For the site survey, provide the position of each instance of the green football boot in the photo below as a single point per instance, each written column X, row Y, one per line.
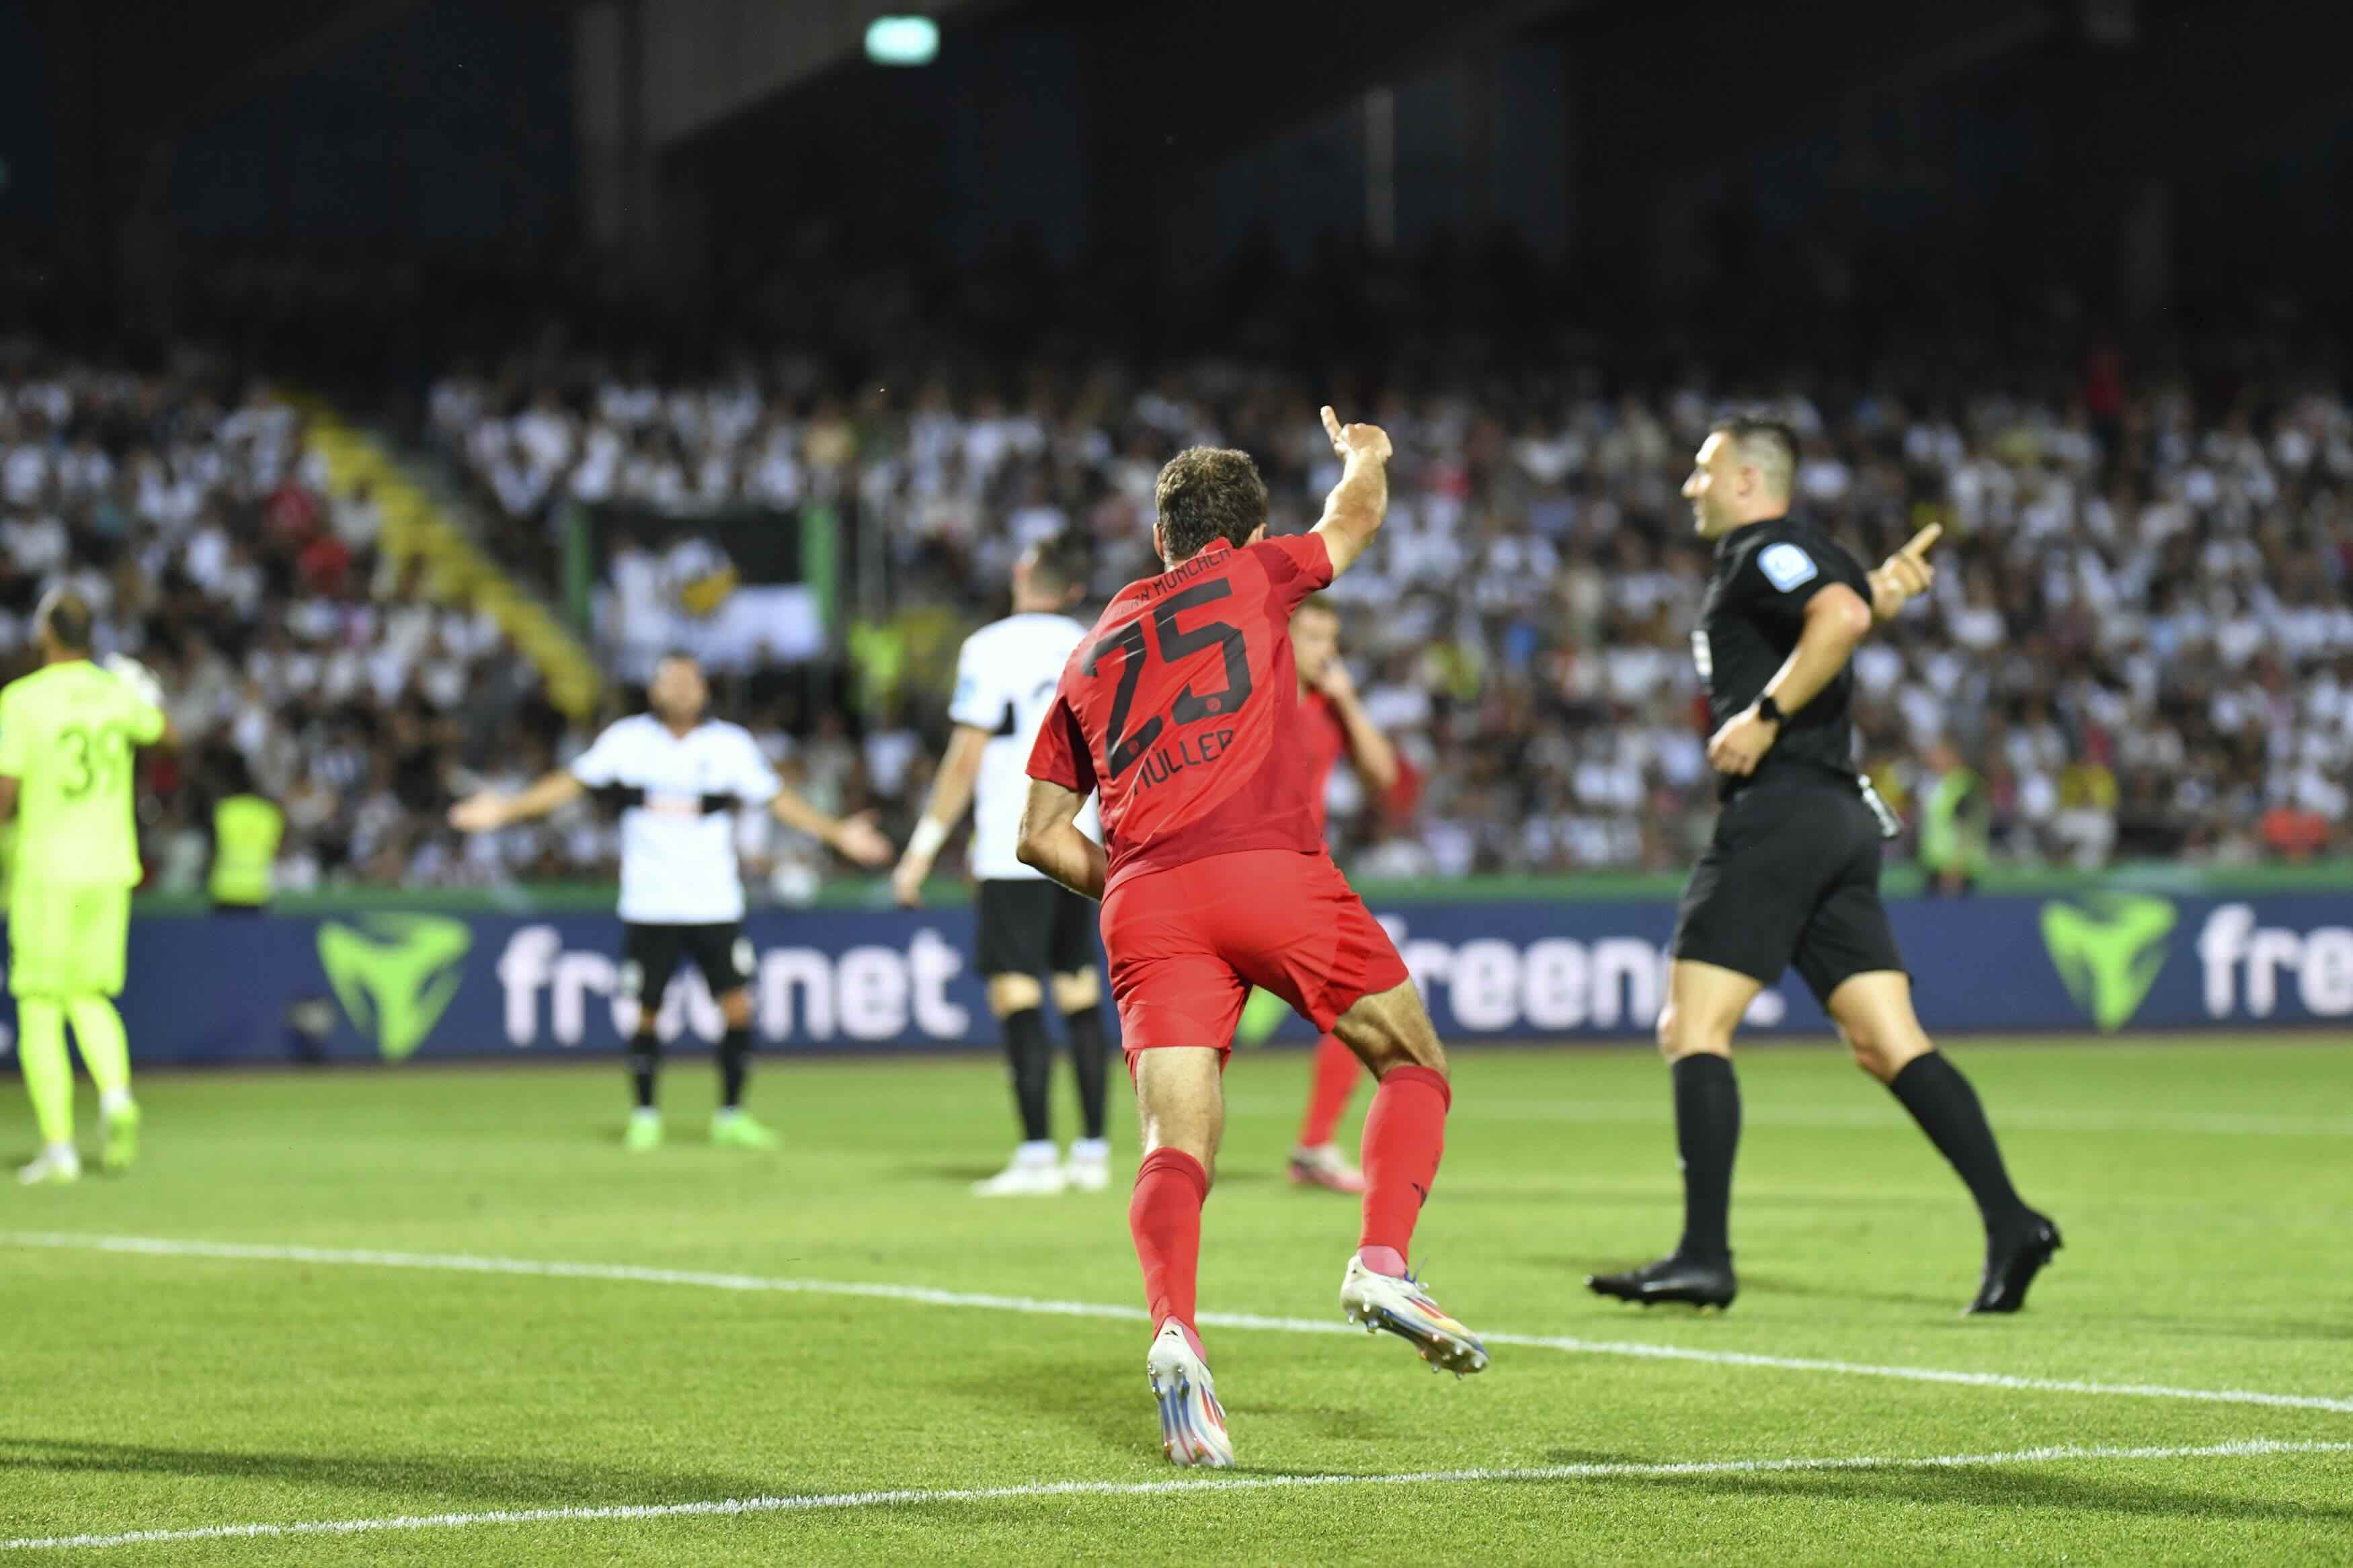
column 735, row 1130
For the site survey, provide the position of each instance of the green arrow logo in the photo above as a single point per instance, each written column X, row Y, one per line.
column 2109, row 951
column 395, row 975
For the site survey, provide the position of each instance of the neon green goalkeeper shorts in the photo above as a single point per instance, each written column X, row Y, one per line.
column 66, row 940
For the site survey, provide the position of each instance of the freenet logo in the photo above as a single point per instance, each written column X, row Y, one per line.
column 2232, row 946
column 2108, row 951
column 867, row 994
column 1609, row 985
column 395, row 975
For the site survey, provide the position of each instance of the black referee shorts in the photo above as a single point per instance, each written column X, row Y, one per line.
column 1032, row 926
column 1792, row 877
column 650, row 955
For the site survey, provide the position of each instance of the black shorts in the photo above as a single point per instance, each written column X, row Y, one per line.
column 1792, row 876
column 1033, row 928
column 650, row 955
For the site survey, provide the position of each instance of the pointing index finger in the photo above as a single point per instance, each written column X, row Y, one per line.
column 1331, row 423
column 1923, row 539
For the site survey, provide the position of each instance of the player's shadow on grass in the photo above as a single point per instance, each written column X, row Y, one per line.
column 1101, row 1403
column 403, row 1478
column 1751, row 1285
column 1774, row 1284
column 1665, row 1202
column 965, row 1174
column 1997, row 1488
column 1098, row 1401
column 2230, row 1328
column 962, row 1175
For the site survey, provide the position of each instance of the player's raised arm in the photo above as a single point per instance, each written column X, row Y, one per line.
column 1376, row 760
column 489, row 811
column 1904, row 575
column 157, row 728
column 1352, row 511
column 950, row 793
column 1051, row 842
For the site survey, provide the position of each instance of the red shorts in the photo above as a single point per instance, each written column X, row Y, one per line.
column 1188, row 944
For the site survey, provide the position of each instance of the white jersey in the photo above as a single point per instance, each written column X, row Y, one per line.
column 679, row 796
column 1006, row 677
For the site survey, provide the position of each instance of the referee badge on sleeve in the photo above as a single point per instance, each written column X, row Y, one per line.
column 1786, row 566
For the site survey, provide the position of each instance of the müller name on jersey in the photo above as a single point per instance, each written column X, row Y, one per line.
column 1189, row 751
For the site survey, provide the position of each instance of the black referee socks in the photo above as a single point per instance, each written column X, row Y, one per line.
column 645, row 1064
column 734, row 1061
column 1089, row 1052
column 1032, row 1056
column 1941, row 1100
column 1708, row 1132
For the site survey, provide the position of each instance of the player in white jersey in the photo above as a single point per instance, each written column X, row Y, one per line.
column 678, row 778
column 1032, row 932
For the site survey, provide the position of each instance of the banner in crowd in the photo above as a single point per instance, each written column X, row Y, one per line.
column 395, row 986
column 737, row 589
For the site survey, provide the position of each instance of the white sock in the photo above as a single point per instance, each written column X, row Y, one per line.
column 113, row 1100
column 1091, row 1149
column 60, row 1152
column 646, row 1114
column 1042, row 1153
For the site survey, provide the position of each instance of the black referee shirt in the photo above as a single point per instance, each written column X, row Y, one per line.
column 1751, row 618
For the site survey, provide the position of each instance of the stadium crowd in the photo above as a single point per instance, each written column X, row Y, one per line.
column 186, row 510
column 2141, row 645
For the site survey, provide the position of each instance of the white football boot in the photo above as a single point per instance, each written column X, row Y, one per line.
column 1397, row 1304
column 58, row 1162
column 1192, row 1422
column 1035, row 1172
column 1088, row 1170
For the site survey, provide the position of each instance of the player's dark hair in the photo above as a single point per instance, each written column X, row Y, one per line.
column 1770, row 444
column 1063, row 563
column 1205, row 494
column 67, row 618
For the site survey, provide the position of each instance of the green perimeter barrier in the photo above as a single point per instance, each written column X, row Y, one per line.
column 1602, row 887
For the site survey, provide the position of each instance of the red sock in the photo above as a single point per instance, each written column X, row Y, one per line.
column 1404, row 1133
column 1334, row 1081
column 1164, row 1218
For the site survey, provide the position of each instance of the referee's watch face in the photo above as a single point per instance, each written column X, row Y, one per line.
column 1717, row 476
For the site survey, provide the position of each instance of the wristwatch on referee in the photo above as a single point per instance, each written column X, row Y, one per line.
column 1768, row 710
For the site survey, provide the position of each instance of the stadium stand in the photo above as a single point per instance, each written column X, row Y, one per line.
column 2141, row 644
column 302, row 640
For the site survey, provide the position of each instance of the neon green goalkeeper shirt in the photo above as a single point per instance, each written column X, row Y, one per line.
column 68, row 731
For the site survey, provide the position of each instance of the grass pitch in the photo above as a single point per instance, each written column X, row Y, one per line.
column 2205, row 1188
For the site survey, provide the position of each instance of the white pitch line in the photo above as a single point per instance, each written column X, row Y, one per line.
column 923, row 1295
column 2255, row 1447
column 1873, row 1118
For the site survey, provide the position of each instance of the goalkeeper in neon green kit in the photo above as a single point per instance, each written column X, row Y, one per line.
column 66, row 735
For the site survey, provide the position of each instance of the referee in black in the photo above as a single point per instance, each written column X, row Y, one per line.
column 1792, row 874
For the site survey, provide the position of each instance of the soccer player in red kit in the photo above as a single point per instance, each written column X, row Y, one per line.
column 1332, row 724
column 1178, row 711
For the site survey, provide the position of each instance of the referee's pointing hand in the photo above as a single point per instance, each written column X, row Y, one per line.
column 1904, row 575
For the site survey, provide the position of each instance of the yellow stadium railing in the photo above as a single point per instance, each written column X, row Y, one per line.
column 416, row 528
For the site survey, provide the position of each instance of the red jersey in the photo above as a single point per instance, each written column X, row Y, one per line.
column 1179, row 711
column 1325, row 740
